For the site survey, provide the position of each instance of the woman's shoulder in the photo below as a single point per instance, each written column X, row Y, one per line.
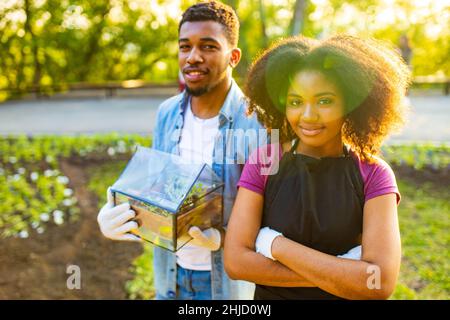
column 266, row 159
column 374, row 165
column 378, row 177
column 262, row 163
column 266, row 154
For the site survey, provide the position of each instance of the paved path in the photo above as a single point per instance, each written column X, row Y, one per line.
column 124, row 115
column 428, row 121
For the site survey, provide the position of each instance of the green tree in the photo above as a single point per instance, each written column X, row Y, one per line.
column 57, row 42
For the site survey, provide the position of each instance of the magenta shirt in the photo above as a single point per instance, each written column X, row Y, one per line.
column 378, row 177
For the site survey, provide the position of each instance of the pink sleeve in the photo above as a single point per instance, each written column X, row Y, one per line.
column 379, row 179
column 261, row 163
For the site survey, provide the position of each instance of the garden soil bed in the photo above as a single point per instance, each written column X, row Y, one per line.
column 35, row 268
column 439, row 179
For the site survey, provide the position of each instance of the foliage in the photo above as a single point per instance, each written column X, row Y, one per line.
column 141, row 287
column 33, row 191
column 419, row 156
column 424, row 216
column 45, row 42
column 56, row 42
column 32, row 195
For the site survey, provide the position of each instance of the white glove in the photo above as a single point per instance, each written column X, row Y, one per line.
column 264, row 241
column 113, row 221
column 266, row 236
column 353, row 254
column 209, row 238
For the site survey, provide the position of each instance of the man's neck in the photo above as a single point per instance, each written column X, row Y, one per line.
column 208, row 105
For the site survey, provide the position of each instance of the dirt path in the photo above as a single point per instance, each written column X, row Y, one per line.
column 35, row 268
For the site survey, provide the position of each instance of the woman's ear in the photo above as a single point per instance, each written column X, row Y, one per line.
column 235, row 57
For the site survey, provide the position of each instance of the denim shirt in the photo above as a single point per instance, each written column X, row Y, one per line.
column 228, row 162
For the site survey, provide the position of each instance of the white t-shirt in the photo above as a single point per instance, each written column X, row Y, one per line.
column 196, row 146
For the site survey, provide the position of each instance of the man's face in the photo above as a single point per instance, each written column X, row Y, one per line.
column 204, row 56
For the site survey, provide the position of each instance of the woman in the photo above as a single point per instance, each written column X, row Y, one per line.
column 334, row 102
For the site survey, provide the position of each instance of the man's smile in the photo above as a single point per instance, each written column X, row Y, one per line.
column 194, row 74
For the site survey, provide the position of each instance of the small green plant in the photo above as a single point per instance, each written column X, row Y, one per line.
column 141, row 287
column 418, row 156
column 424, row 217
column 33, row 191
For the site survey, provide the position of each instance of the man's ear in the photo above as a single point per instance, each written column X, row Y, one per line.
column 235, row 57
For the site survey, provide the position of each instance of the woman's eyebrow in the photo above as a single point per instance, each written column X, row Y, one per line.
column 325, row 94
column 316, row 95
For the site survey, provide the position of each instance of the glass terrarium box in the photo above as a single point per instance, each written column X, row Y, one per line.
column 169, row 196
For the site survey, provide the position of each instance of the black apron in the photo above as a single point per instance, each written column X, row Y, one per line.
column 318, row 203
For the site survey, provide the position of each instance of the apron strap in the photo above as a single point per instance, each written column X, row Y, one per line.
column 345, row 149
column 294, row 145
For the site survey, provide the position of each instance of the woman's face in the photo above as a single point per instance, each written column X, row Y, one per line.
column 315, row 110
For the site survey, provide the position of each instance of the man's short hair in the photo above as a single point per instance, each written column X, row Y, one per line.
column 214, row 11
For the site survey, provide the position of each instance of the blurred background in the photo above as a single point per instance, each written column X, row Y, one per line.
column 80, row 82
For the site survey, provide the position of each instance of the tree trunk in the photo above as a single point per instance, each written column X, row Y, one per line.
column 34, row 45
column 93, row 43
column 262, row 16
column 298, row 20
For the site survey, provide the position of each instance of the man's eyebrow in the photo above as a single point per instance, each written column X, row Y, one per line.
column 205, row 39
column 209, row 39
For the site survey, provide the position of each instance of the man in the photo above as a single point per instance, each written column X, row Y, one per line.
column 198, row 124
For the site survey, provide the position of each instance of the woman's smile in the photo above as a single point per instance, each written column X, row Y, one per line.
column 311, row 130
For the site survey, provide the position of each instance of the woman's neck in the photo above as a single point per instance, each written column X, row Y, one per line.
column 333, row 148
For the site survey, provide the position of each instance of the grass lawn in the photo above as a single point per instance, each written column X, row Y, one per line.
column 424, row 215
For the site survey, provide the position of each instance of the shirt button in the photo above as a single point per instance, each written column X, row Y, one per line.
column 171, row 294
column 172, row 270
